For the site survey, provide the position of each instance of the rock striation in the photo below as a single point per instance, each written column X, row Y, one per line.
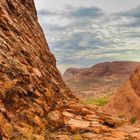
column 35, row 104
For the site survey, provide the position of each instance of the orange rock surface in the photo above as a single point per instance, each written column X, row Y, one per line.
column 34, row 101
column 127, row 100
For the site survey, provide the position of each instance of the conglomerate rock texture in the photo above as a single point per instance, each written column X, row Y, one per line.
column 35, row 104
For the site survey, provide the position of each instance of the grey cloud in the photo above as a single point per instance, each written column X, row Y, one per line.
column 85, row 12
column 73, row 12
column 134, row 24
column 132, row 13
column 135, row 12
column 44, row 12
column 55, row 27
column 91, row 36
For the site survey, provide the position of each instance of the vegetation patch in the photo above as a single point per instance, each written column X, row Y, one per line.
column 95, row 101
column 133, row 120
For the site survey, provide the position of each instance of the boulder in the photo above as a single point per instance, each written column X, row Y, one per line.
column 55, row 119
column 75, row 125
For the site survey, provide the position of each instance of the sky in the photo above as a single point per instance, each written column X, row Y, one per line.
column 81, row 33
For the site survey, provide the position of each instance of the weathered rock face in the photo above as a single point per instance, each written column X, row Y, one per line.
column 135, row 81
column 30, row 84
column 127, row 100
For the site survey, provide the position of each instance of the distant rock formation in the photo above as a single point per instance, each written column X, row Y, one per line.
column 100, row 79
column 127, row 100
column 120, row 68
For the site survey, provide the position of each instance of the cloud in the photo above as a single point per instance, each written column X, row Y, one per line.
column 83, row 36
column 72, row 12
column 85, row 12
column 44, row 12
column 135, row 12
column 133, row 15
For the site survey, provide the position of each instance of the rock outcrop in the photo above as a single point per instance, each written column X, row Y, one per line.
column 127, row 100
column 99, row 80
column 35, row 104
column 119, row 68
column 30, row 84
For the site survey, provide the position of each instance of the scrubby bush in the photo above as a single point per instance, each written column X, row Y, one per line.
column 95, row 101
column 133, row 120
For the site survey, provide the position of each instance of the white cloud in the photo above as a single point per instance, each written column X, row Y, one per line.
column 107, row 5
column 81, row 41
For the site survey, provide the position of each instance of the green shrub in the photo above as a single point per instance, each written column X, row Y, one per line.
column 95, row 101
column 133, row 120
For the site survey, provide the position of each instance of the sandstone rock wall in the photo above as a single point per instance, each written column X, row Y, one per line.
column 127, row 100
column 30, row 84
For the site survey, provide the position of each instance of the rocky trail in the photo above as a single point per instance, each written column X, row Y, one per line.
column 92, row 125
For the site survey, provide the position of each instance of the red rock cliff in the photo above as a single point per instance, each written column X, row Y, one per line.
column 127, row 100
column 30, row 84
